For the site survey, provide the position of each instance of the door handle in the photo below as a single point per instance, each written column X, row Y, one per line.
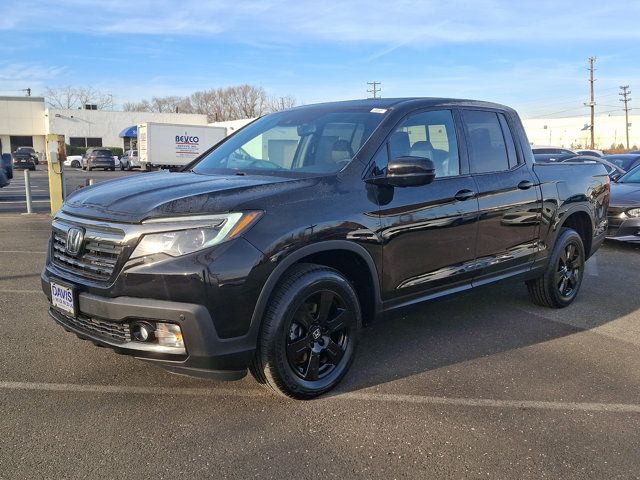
column 525, row 185
column 465, row 194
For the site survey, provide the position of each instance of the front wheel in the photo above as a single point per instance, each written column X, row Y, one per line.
column 559, row 285
column 308, row 336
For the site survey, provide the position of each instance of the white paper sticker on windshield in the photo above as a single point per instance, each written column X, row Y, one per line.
column 378, row 110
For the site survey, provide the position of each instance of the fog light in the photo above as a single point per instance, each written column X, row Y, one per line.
column 169, row 335
column 142, row 332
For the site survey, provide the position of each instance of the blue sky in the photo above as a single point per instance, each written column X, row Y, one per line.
column 530, row 55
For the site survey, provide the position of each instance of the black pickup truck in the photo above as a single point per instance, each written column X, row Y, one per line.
column 273, row 248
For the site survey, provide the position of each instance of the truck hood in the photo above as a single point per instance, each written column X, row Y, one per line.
column 625, row 194
column 163, row 194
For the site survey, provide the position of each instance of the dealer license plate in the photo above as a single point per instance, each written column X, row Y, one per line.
column 63, row 299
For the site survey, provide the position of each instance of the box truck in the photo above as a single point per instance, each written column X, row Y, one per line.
column 167, row 145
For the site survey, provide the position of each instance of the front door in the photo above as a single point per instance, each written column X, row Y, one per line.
column 428, row 232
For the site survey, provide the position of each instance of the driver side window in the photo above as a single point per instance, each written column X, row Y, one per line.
column 430, row 135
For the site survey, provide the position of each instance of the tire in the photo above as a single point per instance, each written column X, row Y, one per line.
column 89, row 168
column 559, row 285
column 75, row 164
column 113, row 169
column 121, row 167
column 308, row 339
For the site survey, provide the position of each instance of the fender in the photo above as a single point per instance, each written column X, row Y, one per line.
column 561, row 217
column 289, row 260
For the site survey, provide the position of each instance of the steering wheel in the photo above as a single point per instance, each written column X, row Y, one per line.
column 264, row 164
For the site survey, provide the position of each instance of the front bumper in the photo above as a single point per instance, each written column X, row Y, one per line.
column 207, row 356
column 626, row 230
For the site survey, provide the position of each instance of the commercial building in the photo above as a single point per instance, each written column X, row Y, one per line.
column 575, row 132
column 24, row 121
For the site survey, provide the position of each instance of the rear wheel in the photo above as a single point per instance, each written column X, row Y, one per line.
column 308, row 336
column 75, row 164
column 559, row 285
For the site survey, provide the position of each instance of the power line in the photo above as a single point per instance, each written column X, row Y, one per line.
column 625, row 99
column 374, row 89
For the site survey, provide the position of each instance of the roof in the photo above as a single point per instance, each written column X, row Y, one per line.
column 407, row 101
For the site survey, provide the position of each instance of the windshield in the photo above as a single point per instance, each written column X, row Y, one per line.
column 305, row 140
column 102, row 153
column 631, row 177
column 623, row 162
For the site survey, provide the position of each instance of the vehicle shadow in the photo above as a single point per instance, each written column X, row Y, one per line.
column 489, row 321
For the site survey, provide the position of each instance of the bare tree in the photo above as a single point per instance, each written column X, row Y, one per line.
column 218, row 104
column 170, row 104
column 77, row 97
column 282, row 103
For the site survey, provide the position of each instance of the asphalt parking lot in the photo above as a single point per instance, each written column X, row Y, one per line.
column 483, row 385
column 12, row 197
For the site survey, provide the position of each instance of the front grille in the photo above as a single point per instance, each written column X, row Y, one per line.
column 97, row 260
column 109, row 331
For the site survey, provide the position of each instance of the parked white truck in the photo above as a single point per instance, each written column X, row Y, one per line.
column 168, row 145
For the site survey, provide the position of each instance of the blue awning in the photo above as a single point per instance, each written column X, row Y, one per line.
column 131, row 132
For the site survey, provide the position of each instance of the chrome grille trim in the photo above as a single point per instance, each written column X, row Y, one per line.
column 100, row 252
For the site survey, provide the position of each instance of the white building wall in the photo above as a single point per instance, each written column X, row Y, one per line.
column 568, row 132
column 23, row 116
column 108, row 125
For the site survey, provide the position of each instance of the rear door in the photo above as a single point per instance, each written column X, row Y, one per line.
column 508, row 197
column 429, row 231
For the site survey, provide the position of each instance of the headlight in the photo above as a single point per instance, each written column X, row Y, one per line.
column 633, row 212
column 189, row 234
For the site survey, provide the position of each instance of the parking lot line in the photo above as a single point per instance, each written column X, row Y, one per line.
column 360, row 396
column 22, row 251
column 4, row 290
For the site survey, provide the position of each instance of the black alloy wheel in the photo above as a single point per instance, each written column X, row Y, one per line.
column 568, row 272
column 559, row 285
column 308, row 335
column 319, row 335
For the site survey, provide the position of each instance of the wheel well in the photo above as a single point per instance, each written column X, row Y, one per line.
column 581, row 223
column 356, row 270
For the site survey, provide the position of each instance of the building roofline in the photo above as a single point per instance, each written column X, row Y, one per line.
column 22, row 99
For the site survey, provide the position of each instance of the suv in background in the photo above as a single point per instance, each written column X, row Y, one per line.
column 129, row 160
column 30, row 151
column 100, row 158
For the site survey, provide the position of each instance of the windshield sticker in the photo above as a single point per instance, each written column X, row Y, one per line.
column 378, row 110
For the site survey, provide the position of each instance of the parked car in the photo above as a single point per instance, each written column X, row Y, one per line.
column 100, row 158
column 23, row 160
column 592, row 153
column 551, row 150
column 553, row 157
column 624, row 208
column 6, row 169
column 73, row 161
column 31, row 151
column 333, row 216
column 129, row 160
column 626, row 161
column 613, row 170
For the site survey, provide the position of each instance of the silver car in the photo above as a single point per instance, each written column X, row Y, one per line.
column 129, row 160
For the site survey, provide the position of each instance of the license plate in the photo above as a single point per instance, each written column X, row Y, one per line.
column 63, row 299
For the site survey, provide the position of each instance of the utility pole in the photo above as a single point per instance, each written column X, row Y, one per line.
column 625, row 99
column 592, row 103
column 375, row 90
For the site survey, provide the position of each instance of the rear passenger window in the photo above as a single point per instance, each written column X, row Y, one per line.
column 508, row 138
column 488, row 151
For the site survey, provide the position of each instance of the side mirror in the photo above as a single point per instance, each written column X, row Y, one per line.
column 407, row 172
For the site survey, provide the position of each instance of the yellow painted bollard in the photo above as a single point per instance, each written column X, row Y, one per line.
column 55, row 152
